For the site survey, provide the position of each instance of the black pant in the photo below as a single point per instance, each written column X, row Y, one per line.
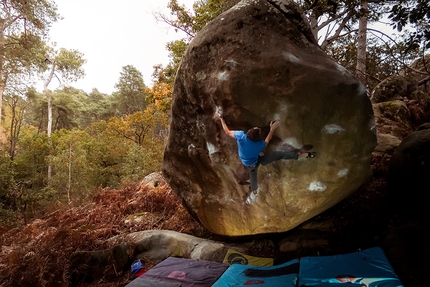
column 265, row 159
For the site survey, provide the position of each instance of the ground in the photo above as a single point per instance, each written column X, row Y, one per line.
column 367, row 218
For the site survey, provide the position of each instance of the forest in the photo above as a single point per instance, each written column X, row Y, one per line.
column 60, row 146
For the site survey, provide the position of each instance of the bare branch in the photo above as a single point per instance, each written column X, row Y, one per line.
column 328, row 21
column 162, row 18
column 339, row 29
column 392, row 55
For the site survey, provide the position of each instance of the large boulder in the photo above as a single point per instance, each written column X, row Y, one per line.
column 392, row 88
column 408, row 171
column 393, row 118
column 258, row 62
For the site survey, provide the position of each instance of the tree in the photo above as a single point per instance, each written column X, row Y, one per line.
column 28, row 18
column 17, row 107
column 97, row 107
column 129, row 96
column 167, row 75
column 75, row 176
column 65, row 66
column 360, row 70
column 412, row 15
column 29, row 188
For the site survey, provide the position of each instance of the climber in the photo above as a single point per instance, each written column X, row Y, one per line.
column 251, row 144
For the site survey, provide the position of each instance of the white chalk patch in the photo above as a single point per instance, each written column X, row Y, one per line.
column 223, row 76
column 211, row 148
column 218, row 110
column 276, row 117
column 231, row 63
column 191, row 147
column 333, row 128
column 372, row 125
column 200, row 76
column 317, row 186
column 290, row 57
column 342, row 172
column 251, row 198
column 292, row 142
column 283, row 108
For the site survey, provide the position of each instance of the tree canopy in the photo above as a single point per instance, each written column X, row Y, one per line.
column 22, row 25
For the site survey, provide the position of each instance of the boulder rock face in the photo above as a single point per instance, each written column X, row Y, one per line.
column 258, row 62
column 409, row 170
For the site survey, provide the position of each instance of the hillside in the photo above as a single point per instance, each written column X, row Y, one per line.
column 37, row 254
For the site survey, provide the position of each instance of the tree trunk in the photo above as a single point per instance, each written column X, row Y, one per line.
column 69, row 183
column 49, row 96
column 362, row 44
column 2, row 86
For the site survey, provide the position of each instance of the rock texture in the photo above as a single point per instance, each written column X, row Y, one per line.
column 258, row 62
column 400, row 106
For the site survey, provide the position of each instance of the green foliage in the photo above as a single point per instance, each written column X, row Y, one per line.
column 6, row 176
column 105, row 154
column 416, row 15
column 74, row 175
column 23, row 24
column 97, row 107
column 16, row 106
column 28, row 191
column 129, row 96
column 190, row 22
column 32, row 15
column 127, row 147
column 69, row 64
column 206, row 11
column 167, row 75
column 24, row 57
column 141, row 161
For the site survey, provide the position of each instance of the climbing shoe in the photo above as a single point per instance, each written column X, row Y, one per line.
column 312, row 154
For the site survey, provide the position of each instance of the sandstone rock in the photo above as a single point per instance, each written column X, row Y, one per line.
column 393, row 118
column 258, row 62
column 160, row 244
column 387, row 143
column 150, row 181
column 425, row 126
column 395, row 87
column 152, row 245
column 409, row 170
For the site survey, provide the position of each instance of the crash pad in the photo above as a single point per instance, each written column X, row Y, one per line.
column 182, row 271
column 140, row 282
column 284, row 275
column 233, row 257
column 369, row 267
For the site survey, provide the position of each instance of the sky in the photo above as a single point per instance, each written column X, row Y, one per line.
column 112, row 34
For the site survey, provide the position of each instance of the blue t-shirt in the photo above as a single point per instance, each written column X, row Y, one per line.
column 248, row 149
